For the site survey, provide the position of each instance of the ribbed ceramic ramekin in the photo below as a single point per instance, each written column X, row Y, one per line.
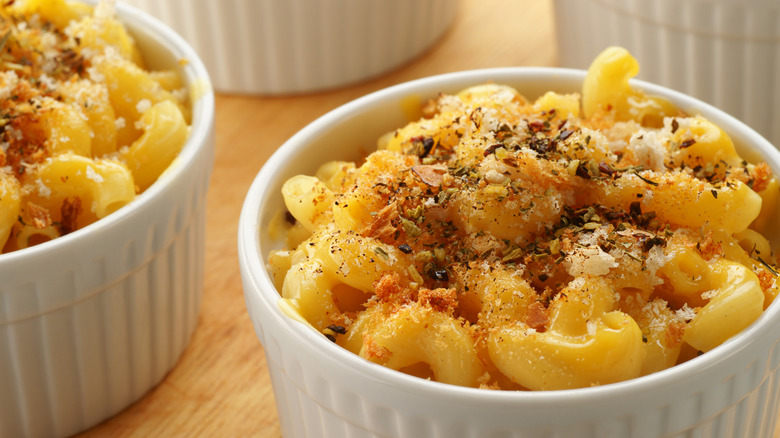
column 295, row 46
column 91, row 321
column 725, row 52
column 323, row 390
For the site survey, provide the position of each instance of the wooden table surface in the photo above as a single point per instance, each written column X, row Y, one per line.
column 220, row 386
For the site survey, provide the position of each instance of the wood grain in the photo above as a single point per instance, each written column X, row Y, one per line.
column 220, row 386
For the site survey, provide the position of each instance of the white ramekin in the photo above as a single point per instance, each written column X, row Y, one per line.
column 725, row 52
column 323, row 390
column 295, row 46
column 91, row 321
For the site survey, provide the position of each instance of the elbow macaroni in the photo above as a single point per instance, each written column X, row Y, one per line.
column 550, row 244
column 85, row 127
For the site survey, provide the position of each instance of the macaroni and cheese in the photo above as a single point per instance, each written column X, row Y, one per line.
column 507, row 243
column 84, row 126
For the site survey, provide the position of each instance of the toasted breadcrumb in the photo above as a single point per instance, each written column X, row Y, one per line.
column 374, row 351
column 38, row 215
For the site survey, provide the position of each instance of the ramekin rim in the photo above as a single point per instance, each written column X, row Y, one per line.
column 258, row 282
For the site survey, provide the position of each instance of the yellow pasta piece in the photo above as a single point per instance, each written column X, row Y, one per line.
column 683, row 200
column 560, row 106
column 102, row 31
column 495, row 295
column 736, row 303
column 754, row 244
column 354, row 210
column 701, row 143
column 360, row 261
column 279, row 263
column 132, row 93
column 170, row 80
column 752, row 251
column 506, row 214
column 58, row 12
column 770, row 200
column 509, row 206
column 606, row 88
column 28, row 235
column 66, row 129
column 164, row 134
column 10, row 205
column 357, row 209
column 588, row 343
column 419, row 334
column 309, row 291
column 103, row 186
column 662, row 332
column 336, row 175
column 687, row 274
column 497, row 96
column 427, row 135
column 309, row 200
column 93, row 100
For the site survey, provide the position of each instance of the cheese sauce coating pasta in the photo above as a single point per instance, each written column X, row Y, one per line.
column 564, row 242
column 84, row 127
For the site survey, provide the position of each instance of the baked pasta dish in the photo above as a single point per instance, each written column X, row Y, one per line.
column 84, row 126
column 506, row 243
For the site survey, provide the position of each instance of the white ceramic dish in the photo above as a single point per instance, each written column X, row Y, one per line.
column 725, row 52
column 91, row 321
column 296, row 46
column 323, row 390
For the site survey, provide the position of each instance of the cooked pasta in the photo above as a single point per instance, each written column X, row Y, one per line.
column 507, row 243
column 84, row 127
